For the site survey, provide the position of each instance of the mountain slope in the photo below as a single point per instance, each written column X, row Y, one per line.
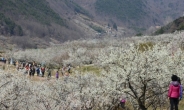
column 9, row 27
column 124, row 10
column 139, row 15
column 36, row 10
column 36, row 22
column 176, row 25
column 44, row 22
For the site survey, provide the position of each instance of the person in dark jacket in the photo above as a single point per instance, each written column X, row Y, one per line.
column 49, row 73
column 30, row 71
column 33, row 71
column 38, row 70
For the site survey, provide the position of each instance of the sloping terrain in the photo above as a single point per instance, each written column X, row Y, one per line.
column 176, row 25
column 46, row 22
column 139, row 15
column 36, row 22
column 29, row 10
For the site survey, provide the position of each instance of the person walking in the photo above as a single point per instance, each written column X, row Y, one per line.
column 43, row 71
column 174, row 93
column 181, row 89
column 57, row 75
column 27, row 69
column 122, row 102
column 17, row 65
column 33, row 70
column 69, row 68
column 49, row 73
column 30, row 71
column 38, row 70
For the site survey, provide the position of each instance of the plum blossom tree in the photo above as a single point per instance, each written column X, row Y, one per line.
column 146, row 75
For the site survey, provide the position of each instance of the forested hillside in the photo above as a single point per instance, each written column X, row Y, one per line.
column 138, row 15
column 36, row 22
column 76, row 8
column 45, row 22
column 9, row 27
column 42, row 22
column 124, row 10
column 30, row 9
column 176, row 25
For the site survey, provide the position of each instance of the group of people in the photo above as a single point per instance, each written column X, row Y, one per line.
column 2, row 59
column 32, row 68
column 175, row 92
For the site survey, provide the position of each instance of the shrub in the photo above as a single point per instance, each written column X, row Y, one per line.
column 139, row 34
column 97, row 28
column 145, row 46
column 181, row 27
column 160, row 31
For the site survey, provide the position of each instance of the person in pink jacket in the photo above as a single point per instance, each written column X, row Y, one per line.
column 122, row 102
column 174, row 93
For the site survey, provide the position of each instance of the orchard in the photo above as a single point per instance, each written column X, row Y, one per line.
column 137, row 68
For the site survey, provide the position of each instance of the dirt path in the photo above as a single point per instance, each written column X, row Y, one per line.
column 21, row 72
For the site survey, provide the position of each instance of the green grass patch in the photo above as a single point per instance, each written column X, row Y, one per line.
column 93, row 69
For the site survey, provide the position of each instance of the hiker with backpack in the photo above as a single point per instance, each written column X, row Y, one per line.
column 174, row 93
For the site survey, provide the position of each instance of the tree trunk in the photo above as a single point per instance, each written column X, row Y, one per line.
column 142, row 107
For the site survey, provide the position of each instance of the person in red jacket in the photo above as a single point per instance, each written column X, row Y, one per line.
column 43, row 71
column 174, row 93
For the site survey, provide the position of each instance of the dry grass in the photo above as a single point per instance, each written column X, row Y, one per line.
column 181, row 104
column 90, row 68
